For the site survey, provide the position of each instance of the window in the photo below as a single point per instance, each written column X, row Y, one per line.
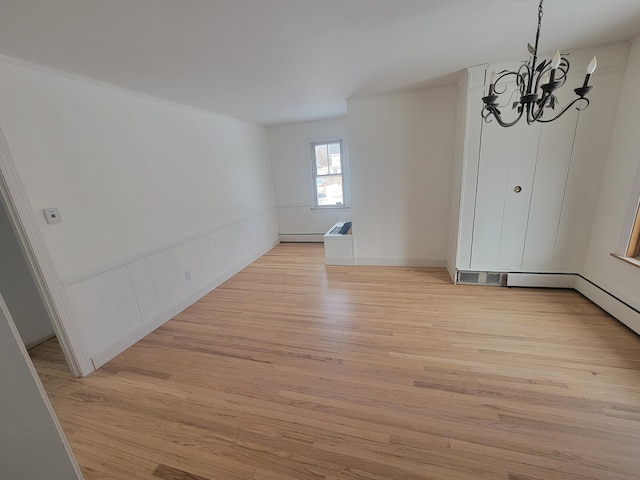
column 629, row 247
column 633, row 249
column 328, row 173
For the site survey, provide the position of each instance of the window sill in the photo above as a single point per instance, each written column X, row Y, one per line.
column 630, row 260
column 331, row 207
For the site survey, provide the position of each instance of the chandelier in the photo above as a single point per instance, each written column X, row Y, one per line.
column 536, row 81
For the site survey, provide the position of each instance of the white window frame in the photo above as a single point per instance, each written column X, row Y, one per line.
column 633, row 249
column 343, row 174
column 629, row 247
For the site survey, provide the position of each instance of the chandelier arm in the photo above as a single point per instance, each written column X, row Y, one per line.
column 565, row 109
column 532, row 115
column 493, row 111
column 519, row 78
column 524, row 73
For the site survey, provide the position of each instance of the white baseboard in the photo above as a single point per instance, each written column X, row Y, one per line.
column 339, row 261
column 138, row 334
column 612, row 305
column 301, row 237
column 401, row 262
column 34, row 344
column 545, row 280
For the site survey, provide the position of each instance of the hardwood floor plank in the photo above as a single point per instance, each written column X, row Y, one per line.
column 296, row 370
column 169, row 473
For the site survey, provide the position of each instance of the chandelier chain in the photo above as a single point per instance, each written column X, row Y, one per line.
column 540, row 13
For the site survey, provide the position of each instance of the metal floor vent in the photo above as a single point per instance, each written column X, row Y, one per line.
column 495, row 279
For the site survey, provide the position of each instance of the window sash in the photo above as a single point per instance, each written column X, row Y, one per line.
column 329, row 173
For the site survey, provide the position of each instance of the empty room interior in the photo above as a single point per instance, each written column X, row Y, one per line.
column 320, row 239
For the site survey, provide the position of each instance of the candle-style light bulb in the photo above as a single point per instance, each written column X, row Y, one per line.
column 545, row 79
column 492, row 81
column 590, row 69
column 555, row 62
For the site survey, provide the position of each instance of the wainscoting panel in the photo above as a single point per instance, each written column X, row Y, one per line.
column 143, row 289
column 98, row 321
column 221, row 246
column 123, row 297
column 200, row 262
column 167, row 270
column 118, row 304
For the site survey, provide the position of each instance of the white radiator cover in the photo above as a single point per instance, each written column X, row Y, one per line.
column 545, row 280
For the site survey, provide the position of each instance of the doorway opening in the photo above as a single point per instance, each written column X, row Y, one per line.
column 19, row 288
column 46, row 292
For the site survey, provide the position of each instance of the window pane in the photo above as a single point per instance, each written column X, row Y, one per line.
column 335, row 164
column 329, row 190
column 322, row 159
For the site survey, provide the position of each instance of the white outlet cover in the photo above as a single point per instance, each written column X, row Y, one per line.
column 52, row 215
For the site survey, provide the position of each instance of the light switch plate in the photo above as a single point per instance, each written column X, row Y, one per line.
column 52, row 215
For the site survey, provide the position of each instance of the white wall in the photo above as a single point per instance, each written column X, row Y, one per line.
column 290, row 150
column 147, row 190
column 19, row 288
column 623, row 161
column 401, row 171
column 32, row 444
column 127, row 172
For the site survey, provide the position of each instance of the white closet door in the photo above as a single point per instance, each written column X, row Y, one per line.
column 507, row 161
column 552, row 169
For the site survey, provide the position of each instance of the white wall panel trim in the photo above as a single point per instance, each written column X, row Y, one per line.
column 140, row 332
column 92, row 272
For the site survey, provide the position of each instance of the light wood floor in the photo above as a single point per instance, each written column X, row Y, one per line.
column 294, row 370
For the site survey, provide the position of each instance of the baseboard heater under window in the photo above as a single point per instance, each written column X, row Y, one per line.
column 301, row 237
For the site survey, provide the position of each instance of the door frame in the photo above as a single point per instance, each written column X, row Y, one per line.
column 48, row 283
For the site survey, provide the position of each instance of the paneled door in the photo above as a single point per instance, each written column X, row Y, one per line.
column 521, row 187
column 505, row 182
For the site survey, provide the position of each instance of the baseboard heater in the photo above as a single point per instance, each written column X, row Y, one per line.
column 496, row 279
column 619, row 309
column 544, row 280
column 301, row 237
column 506, row 279
column 623, row 311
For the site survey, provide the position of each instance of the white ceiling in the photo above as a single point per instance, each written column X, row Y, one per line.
column 282, row 61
